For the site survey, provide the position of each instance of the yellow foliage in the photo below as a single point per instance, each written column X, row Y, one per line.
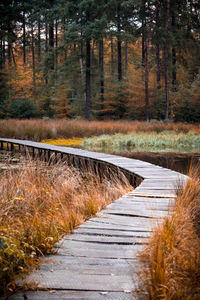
column 64, row 142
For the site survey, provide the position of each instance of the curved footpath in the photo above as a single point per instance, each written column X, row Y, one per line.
column 99, row 260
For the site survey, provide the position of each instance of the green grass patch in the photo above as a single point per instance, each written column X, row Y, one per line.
column 166, row 141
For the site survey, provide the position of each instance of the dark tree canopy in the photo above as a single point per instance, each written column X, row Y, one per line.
column 100, row 59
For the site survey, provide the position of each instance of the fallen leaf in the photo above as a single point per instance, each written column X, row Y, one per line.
column 127, row 291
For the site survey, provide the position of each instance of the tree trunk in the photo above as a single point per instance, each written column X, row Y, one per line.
column 51, row 38
column 33, row 64
column 39, row 40
column 143, row 32
column 119, row 56
column 1, row 53
column 174, row 69
column 56, row 51
column 119, row 43
column 147, row 81
column 158, row 65
column 51, row 45
column 24, row 39
column 112, row 56
column 147, row 62
column 46, row 53
column 87, row 81
column 81, row 62
column 143, row 44
column 13, row 57
column 126, row 57
column 9, row 47
column 4, row 52
column 166, row 56
column 101, row 68
column 2, row 59
column 174, row 82
column 158, row 53
column 46, row 37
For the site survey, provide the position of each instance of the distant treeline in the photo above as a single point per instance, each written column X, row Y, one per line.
column 105, row 59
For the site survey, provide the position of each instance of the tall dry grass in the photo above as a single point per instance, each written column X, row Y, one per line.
column 171, row 262
column 38, row 130
column 38, row 204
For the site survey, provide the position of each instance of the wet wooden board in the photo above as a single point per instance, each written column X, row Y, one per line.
column 100, row 260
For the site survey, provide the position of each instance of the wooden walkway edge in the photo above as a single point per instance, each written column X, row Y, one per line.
column 99, row 260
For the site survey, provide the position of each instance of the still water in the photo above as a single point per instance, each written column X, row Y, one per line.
column 175, row 161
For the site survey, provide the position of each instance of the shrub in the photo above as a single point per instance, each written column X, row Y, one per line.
column 187, row 112
column 23, row 108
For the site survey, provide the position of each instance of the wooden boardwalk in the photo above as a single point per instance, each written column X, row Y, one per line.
column 99, row 260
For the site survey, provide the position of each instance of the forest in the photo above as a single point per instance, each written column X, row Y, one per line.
column 100, row 60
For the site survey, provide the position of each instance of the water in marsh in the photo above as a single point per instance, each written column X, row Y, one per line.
column 180, row 162
column 174, row 161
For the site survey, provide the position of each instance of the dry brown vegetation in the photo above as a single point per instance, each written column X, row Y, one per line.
column 171, row 262
column 38, row 130
column 38, row 204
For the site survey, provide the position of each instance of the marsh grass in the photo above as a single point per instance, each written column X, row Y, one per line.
column 164, row 141
column 171, row 262
column 40, row 203
column 38, row 130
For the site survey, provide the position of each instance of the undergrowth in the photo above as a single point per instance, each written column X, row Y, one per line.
column 38, row 130
column 39, row 204
column 171, row 262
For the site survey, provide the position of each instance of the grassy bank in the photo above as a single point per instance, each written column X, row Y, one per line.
column 171, row 262
column 38, row 204
column 167, row 141
column 38, row 130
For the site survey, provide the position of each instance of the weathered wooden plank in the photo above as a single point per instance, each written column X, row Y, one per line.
column 70, row 245
column 96, row 268
column 84, row 282
column 140, row 199
column 104, row 230
column 112, row 253
column 109, row 239
column 141, row 205
column 72, row 261
column 72, row 295
column 148, row 213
